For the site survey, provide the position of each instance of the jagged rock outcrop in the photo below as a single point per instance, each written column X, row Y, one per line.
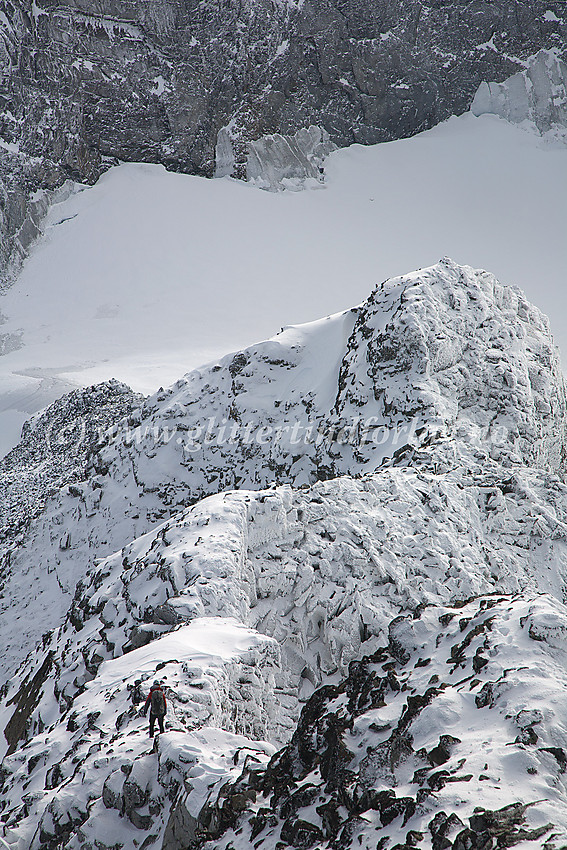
column 537, row 95
column 85, row 84
column 21, row 214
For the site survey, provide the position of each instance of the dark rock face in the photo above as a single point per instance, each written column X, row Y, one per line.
column 83, row 84
column 26, row 700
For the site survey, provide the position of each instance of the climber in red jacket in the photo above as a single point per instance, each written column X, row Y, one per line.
column 157, row 705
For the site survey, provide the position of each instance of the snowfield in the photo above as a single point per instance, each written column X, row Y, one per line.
column 149, row 274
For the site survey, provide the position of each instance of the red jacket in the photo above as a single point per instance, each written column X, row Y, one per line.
column 149, row 698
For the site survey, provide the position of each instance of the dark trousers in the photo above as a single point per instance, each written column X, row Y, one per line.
column 153, row 718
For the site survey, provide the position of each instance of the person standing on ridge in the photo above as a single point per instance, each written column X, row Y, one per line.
column 157, row 705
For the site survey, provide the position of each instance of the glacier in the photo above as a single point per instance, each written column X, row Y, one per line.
column 535, row 96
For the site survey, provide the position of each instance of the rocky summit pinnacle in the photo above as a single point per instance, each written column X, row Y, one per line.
column 83, row 85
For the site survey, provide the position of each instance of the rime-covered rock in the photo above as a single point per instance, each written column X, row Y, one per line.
column 382, row 598
column 54, row 450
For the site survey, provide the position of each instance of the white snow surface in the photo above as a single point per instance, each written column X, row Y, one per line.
column 148, row 274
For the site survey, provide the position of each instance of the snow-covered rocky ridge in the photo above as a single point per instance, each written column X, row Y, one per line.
column 54, row 448
column 444, row 351
column 441, row 739
column 436, row 414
